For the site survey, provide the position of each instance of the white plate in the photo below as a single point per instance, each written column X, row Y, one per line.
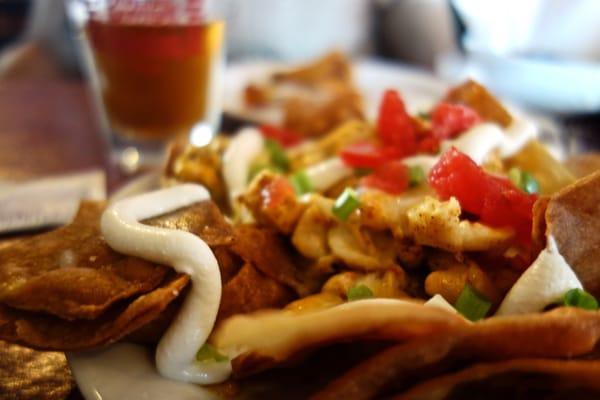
column 418, row 89
column 126, row 371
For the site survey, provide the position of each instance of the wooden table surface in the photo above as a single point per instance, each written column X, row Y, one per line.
column 46, row 127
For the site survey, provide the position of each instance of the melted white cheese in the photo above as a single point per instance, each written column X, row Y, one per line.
column 327, row 173
column 544, row 283
column 186, row 253
column 243, row 148
column 440, row 302
column 480, row 140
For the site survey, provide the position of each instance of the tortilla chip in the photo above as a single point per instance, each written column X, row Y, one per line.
column 551, row 174
column 481, row 100
column 564, row 332
column 72, row 273
column 67, row 289
column 51, row 333
column 373, row 319
column 249, row 291
column 573, row 218
column 540, row 376
column 267, row 251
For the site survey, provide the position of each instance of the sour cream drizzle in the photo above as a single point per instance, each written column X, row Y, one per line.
column 545, row 282
column 482, row 139
column 186, row 253
column 243, row 148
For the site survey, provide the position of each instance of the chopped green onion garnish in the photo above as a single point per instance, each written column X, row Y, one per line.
column 416, row 175
column 471, row 304
column 278, row 155
column 523, row 180
column 345, row 204
column 580, row 298
column 360, row 172
column 424, row 115
column 208, row 353
column 301, row 182
column 359, row 292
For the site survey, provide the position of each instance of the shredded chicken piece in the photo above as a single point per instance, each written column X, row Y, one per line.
column 389, row 283
column 450, row 280
column 281, row 216
column 310, row 235
column 437, row 224
column 330, row 144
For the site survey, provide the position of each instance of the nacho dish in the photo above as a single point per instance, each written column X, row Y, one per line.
column 440, row 255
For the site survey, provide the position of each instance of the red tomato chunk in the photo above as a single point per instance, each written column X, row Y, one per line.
column 284, row 137
column 449, row 120
column 391, row 177
column 496, row 201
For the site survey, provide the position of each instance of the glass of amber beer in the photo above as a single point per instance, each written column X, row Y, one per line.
column 155, row 66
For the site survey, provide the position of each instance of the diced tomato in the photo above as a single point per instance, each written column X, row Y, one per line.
column 283, row 136
column 428, row 144
column 455, row 174
column 367, row 155
column 496, row 201
column 277, row 192
column 394, row 126
column 391, row 177
column 449, row 120
column 507, row 206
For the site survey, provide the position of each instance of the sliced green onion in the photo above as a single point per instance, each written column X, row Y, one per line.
column 530, row 184
column 580, row 298
column 301, row 182
column 523, row 180
column 424, row 115
column 471, row 304
column 360, row 172
column 278, row 155
column 208, row 353
column 345, row 204
column 359, row 292
column 416, row 175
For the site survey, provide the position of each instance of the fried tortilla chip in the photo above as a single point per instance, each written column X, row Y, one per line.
column 67, row 289
column 542, row 377
column 564, row 332
column 47, row 332
column 573, row 218
column 250, row 290
column 298, row 332
column 267, row 251
column 481, row 100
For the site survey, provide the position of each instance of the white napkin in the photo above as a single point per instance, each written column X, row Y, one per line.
column 47, row 202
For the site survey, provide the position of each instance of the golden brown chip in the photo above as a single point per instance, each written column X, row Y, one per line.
column 332, row 66
column 550, row 376
column 250, row 290
column 564, row 332
column 51, row 333
column 481, row 100
column 267, row 251
column 68, row 289
column 573, row 218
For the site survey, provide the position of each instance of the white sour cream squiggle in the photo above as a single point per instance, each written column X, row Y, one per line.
column 545, row 282
column 186, row 253
column 243, row 148
column 480, row 140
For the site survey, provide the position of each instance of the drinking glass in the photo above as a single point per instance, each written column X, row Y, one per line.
column 155, row 68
